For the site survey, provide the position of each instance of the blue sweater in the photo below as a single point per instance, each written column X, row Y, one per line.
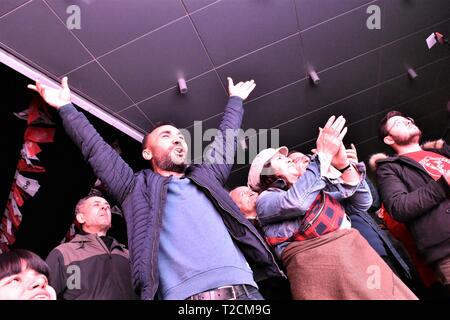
column 196, row 252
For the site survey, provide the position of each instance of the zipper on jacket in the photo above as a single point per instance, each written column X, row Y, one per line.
column 257, row 235
column 159, row 224
column 103, row 245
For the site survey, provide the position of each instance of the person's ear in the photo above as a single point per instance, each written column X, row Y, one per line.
column 388, row 140
column 147, row 154
column 80, row 218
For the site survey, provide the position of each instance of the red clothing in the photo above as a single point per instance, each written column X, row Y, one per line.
column 401, row 233
column 433, row 163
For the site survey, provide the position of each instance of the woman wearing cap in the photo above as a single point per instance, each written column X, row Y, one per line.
column 303, row 215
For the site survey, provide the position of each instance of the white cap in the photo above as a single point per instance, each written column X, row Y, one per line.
column 258, row 163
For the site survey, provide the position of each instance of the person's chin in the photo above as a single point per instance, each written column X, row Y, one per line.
column 42, row 296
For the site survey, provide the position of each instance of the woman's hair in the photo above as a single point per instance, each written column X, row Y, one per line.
column 271, row 180
column 11, row 263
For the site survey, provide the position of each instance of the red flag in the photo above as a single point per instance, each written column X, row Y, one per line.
column 23, row 166
column 32, row 148
column 42, row 135
column 9, row 236
column 33, row 110
column 17, row 194
column 14, row 219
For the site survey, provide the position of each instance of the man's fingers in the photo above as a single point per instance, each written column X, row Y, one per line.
column 32, row 87
column 252, row 87
column 353, row 147
column 239, row 84
column 314, row 151
column 64, row 83
column 230, row 82
column 248, row 84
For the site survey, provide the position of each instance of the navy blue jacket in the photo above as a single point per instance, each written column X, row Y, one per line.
column 142, row 196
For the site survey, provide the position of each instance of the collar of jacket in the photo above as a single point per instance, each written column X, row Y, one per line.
column 81, row 239
column 379, row 158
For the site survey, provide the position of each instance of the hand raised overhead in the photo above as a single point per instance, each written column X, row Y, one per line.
column 241, row 89
column 54, row 97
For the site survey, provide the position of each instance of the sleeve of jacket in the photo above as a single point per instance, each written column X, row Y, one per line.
column 219, row 155
column 403, row 205
column 58, row 279
column 361, row 198
column 107, row 164
column 280, row 205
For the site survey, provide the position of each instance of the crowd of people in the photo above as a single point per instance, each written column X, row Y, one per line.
column 302, row 226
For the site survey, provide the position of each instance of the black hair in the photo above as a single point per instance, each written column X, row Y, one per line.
column 382, row 130
column 11, row 263
column 267, row 181
column 156, row 126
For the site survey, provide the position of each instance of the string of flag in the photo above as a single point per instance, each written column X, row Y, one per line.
column 40, row 129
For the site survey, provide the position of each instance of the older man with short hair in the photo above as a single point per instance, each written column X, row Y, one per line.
column 92, row 266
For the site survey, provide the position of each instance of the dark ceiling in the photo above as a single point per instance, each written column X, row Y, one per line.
column 128, row 55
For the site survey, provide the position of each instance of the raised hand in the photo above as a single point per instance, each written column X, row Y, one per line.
column 241, row 89
column 54, row 97
column 352, row 154
column 330, row 137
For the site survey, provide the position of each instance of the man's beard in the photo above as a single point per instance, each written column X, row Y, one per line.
column 411, row 139
column 165, row 163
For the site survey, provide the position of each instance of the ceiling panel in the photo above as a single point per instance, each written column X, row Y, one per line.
column 193, row 5
column 443, row 77
column 306, row 127
column 339, row 39
column 115, row 26
column 401, row 17
column 278, row 107
column 283, row 64
column 333, row 86
column 36, row 33
column 93, row 82
column 156, row 61
column 425, row 104
column 272, row 41
column 434, row 125
column 136, row 118
column 311, row 12
column 205, row 98
column 403, row 88
column 429, row 102
column 8, row 5
column 412, row 51
column 231, row 28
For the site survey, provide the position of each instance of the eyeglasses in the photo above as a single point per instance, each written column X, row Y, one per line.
column 397, row 122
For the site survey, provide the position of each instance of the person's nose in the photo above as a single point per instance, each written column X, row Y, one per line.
column 39, row 282
column 176, row 141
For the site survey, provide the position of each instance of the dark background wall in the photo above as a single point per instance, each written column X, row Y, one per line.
column 48, row 215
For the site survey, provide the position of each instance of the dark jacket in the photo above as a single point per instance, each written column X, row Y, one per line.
column 85, row 269
column 142, row 196
column 379, row 241
column 413, row 197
